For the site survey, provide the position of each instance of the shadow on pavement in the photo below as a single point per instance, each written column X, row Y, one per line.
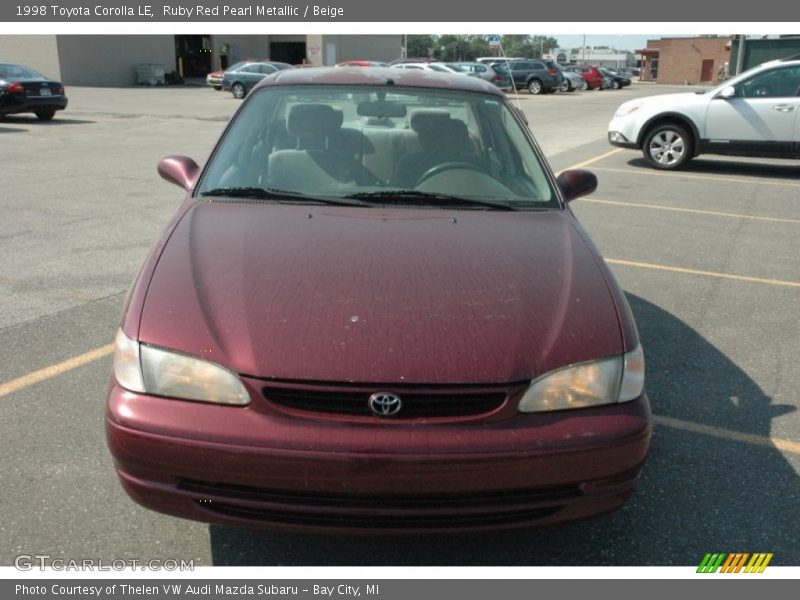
column 30, row 120
column 698, row 493
column 706, row 166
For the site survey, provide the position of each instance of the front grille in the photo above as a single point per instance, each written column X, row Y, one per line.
column 380, row 511
column 417, row 402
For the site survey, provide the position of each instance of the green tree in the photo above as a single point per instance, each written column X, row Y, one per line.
column 420, row 46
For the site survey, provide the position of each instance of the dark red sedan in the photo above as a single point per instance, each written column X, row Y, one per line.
column 375, row 311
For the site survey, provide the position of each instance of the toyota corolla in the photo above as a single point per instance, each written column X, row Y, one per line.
column 374, row 310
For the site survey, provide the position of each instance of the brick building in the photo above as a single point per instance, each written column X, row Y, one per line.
column 704, row 59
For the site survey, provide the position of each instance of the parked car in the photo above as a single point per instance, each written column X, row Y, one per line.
column 411, row 59
column 214, row 79
column 500, row 78
column 617, row 79
column 438, row 67
column 535, row 76
column 593, row 77
column 344, row 328
column 362, row 63
column 572, row 81
column 241, row 80
column 23, row 90
column 752, row 114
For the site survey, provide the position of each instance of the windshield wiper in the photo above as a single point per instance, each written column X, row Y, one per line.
column 257, row 193
column 428, row 199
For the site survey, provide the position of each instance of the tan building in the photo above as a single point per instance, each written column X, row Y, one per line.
column 111, row 60
column 691, row 61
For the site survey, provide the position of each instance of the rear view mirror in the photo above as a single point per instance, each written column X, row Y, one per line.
column 382, row 109
column 576, row 183
column 180, row 170
column 727, row 92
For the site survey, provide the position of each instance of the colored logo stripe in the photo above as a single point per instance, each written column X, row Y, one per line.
column 733, row 562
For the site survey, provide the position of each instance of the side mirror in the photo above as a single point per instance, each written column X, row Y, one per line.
column 727, row 92
column 180, row 170
column 576, row 183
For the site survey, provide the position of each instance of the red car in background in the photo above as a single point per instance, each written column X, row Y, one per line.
column 593, row 77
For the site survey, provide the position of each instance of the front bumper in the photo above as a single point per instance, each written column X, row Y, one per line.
column 247, row 467
column 615, row 138
column 624, row 131
column 20, row 103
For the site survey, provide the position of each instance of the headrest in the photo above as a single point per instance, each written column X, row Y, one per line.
column 313, row 120
column 445, row 135
column 425, row 119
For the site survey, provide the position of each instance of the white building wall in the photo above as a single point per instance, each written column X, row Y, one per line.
column 110, row 60
column 39, row 52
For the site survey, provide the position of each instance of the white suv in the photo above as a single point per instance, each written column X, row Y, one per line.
column 752, row 114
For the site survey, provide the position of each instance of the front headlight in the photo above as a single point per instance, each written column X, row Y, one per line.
column 626, row 109
column 606, row 381
column 152, row 370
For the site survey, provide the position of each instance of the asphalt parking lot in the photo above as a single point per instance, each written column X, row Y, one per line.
column 708, row 258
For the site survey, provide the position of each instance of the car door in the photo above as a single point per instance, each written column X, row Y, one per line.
column 519, row 71
column 761, row 116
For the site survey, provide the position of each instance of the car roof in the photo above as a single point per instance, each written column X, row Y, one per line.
column 380, row 75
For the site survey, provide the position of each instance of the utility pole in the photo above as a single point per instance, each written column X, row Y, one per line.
column 583, row 52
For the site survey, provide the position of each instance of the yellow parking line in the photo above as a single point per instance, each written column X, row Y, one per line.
column 728, row 434
column 656, row 267
column 696, row 211
column 684, row 175
column 586, row 163
column 53, row 370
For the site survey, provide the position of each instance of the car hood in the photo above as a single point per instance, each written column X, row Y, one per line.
column 376, row 295
column 671, row 101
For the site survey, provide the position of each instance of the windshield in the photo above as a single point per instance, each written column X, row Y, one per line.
column 409, row 145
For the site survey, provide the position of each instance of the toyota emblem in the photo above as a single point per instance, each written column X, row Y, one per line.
column 384, row 404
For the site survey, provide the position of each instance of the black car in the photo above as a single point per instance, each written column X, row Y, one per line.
column 24, row 90
column 240, row 81
column 534, row 75
column 618, row 80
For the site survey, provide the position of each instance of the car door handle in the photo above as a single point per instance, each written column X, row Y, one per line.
column 783, row 107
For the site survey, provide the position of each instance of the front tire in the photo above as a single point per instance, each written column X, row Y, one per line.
column 45, row 114
column 238, row 91
column 535, row 87
column 668, row 147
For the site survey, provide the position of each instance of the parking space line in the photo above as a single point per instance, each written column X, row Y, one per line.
column 696, row 211
column 728, row 434
column 657, row 267
column 591, row 161
column 684, row 175
column 54, row 370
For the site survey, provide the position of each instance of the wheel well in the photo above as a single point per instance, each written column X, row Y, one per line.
column 675, row 120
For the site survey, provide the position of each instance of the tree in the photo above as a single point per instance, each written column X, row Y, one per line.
column 420, row 46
